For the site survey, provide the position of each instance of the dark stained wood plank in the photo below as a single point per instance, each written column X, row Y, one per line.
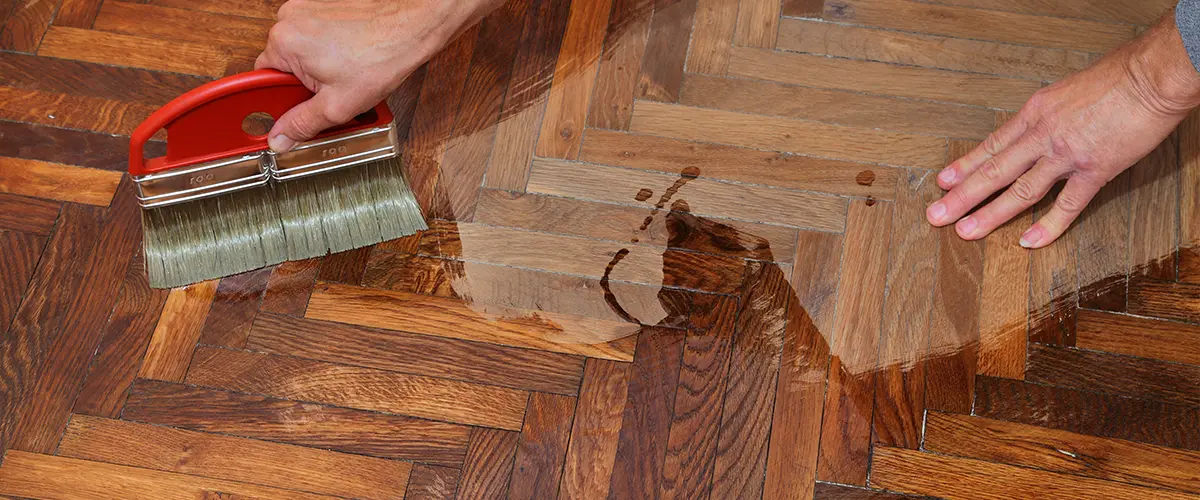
column 489, row 462
column 525, row 102
column 645, row 426
column 1060, row 451
column 846, row 423
column 65, row 76
column 594, row 433
column 914, row 264
column 431, row 482
column 77, row 13
column 289, row 287
column 696, row 417
column 178, row 330
column 828, row 491
column 1154, row 226
column 375, row 390
column 345, row 267
column 412, row 273
column 803, row 8
column 259, row 417
column 741, row 460
column 1143, row 337
column 403, row 103
column 1102, row 239
column 953, row 351
column 440, row 357
column 666, row 50
column 909, row 471
column 49, row 398
column 27, row 215
column 126, row 337
column 233, row 309
column 21, row 254
column 39, row 318
column 71, row 147
column 1114, row 374
column 1177, row 301
column 800, row 394
column 617, row 76
column 101, row 47
column 234, row 459
column 542, row 449
column 1089, row 413
column 466, row 157
column 574, row 79
column 27, row 25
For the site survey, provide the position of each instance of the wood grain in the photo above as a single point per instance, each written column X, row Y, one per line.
column 262, row 9
column 177, row 332
column 954, row 325
column 289, row 287
column 27, row 24
column 234, row 306
column 1102, row 238
column 454, row 319
column 259, row 417
column 77, row 13
column 1122, row 11
column 1089, row 413
column 489, row 462
column 982, row 24
column 55, row 181
column 574, row 79
column 1113, row 374
column 123, row 346
column 71, row 147
column 70, row 111
column 1053, row 287
column 27, row 215
column 645, row 425
column 192, row 26
column 1035, row 63
column 133, row 51
column 757, row 24
column 794, row 136
column 85, row 79
column 45, row 476
column 909, row 471
column 800, row 393
column 625, row 42
column 22, row 252
column 1004, row 301
column 882, row 78
column 846, row 424
column 525, row 102
column 376, row 390
column 592, row 449
column 1143, row 337
column 430, row 482
column 696, row 416
column 666, row 50
column 704, row 197
column 830, row 491
column 542, row 449
column 712, row 36
column 390, row 350
column 1154, row 228
column 1189, row 199
column 233, row 459
column 345, row 267
column 1177, row 301
column 1059, row 451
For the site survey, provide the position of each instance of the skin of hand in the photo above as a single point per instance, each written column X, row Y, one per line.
column 1087, row 129
column 354, row 53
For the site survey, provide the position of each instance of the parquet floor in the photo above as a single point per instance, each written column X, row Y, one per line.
column 677, row 251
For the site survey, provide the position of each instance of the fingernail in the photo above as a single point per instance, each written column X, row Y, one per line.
column 937, row 211
column 1031, row 237
column 947, row 176
column 281, row 143
column 966, row 227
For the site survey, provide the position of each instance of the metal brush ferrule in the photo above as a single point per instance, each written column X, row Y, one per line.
column 203, row 180
column 333, row 153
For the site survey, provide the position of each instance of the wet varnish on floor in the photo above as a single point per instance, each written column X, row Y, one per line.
column 677, row 250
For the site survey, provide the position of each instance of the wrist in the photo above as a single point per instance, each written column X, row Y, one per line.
column 1163, row 75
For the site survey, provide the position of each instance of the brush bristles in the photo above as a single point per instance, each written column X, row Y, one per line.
column 300, row 219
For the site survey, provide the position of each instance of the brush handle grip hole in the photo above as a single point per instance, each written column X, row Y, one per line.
column 257, row 124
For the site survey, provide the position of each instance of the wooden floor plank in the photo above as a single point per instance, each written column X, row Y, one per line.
column 234, row 307
column 882, row 78
column 794, row 136
column 1103, row 240
column 70, row 147
column 262, row 9
column 1189, row 199
column 666, row 50
column 233, row 459
column 77, row 13
column 194, row 26
column 489, row 462
column 71, row 111
column 542, row 449
column 1112, row 374
column 56, row 181
column 289, row 287
column 390, row 350
column 1160, row 299
column 830, row 491
column 22, row 252
column 1154, row 226
column 1060, row 451
column 1143, row 337
column 430, row 482
column 27, row 215
column 617, row 76
column 133, row 51
column 345, row 267
column 704, row 197
column 953, row 350
column 454, row 319
column 985, row 24
column 838, row 40
column 1144, row 12
column 592, row 449
column 574, row 80
column 1053, row 287
column 712, row 36
column 375, row 390
column 1089, row 413
column 45, row 476
column 757, row 24
column 177, row 332
column 849, row 398
column 279, row 420
column 910, row 472
column 27, row 25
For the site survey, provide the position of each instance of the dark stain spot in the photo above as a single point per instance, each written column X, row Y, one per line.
column 870, row 201
column 609, row 297
column 865, row 178
column 681, row 206
column 840, row 10
column 690, row 173
column 643, row 195
column 565, row 133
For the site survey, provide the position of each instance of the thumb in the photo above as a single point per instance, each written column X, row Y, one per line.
column 302, row 123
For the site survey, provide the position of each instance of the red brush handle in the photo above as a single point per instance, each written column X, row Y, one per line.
column 206, row 122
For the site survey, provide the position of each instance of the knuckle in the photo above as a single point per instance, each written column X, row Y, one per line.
column 1024, row 191
column 1070, row 203
column 991, row 145
column 990, row 170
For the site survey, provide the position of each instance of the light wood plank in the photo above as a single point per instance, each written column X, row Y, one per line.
column 712, row 36
column 1143, row 12
column 757, row 23
column 72, row 111
column 133, row 51
column 1189, row 199
column 574, row 79
column 56, row 181
column 167, row 23
column 592, row 448
column 177, row 331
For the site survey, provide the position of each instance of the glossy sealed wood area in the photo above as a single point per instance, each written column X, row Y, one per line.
column 677, row 249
